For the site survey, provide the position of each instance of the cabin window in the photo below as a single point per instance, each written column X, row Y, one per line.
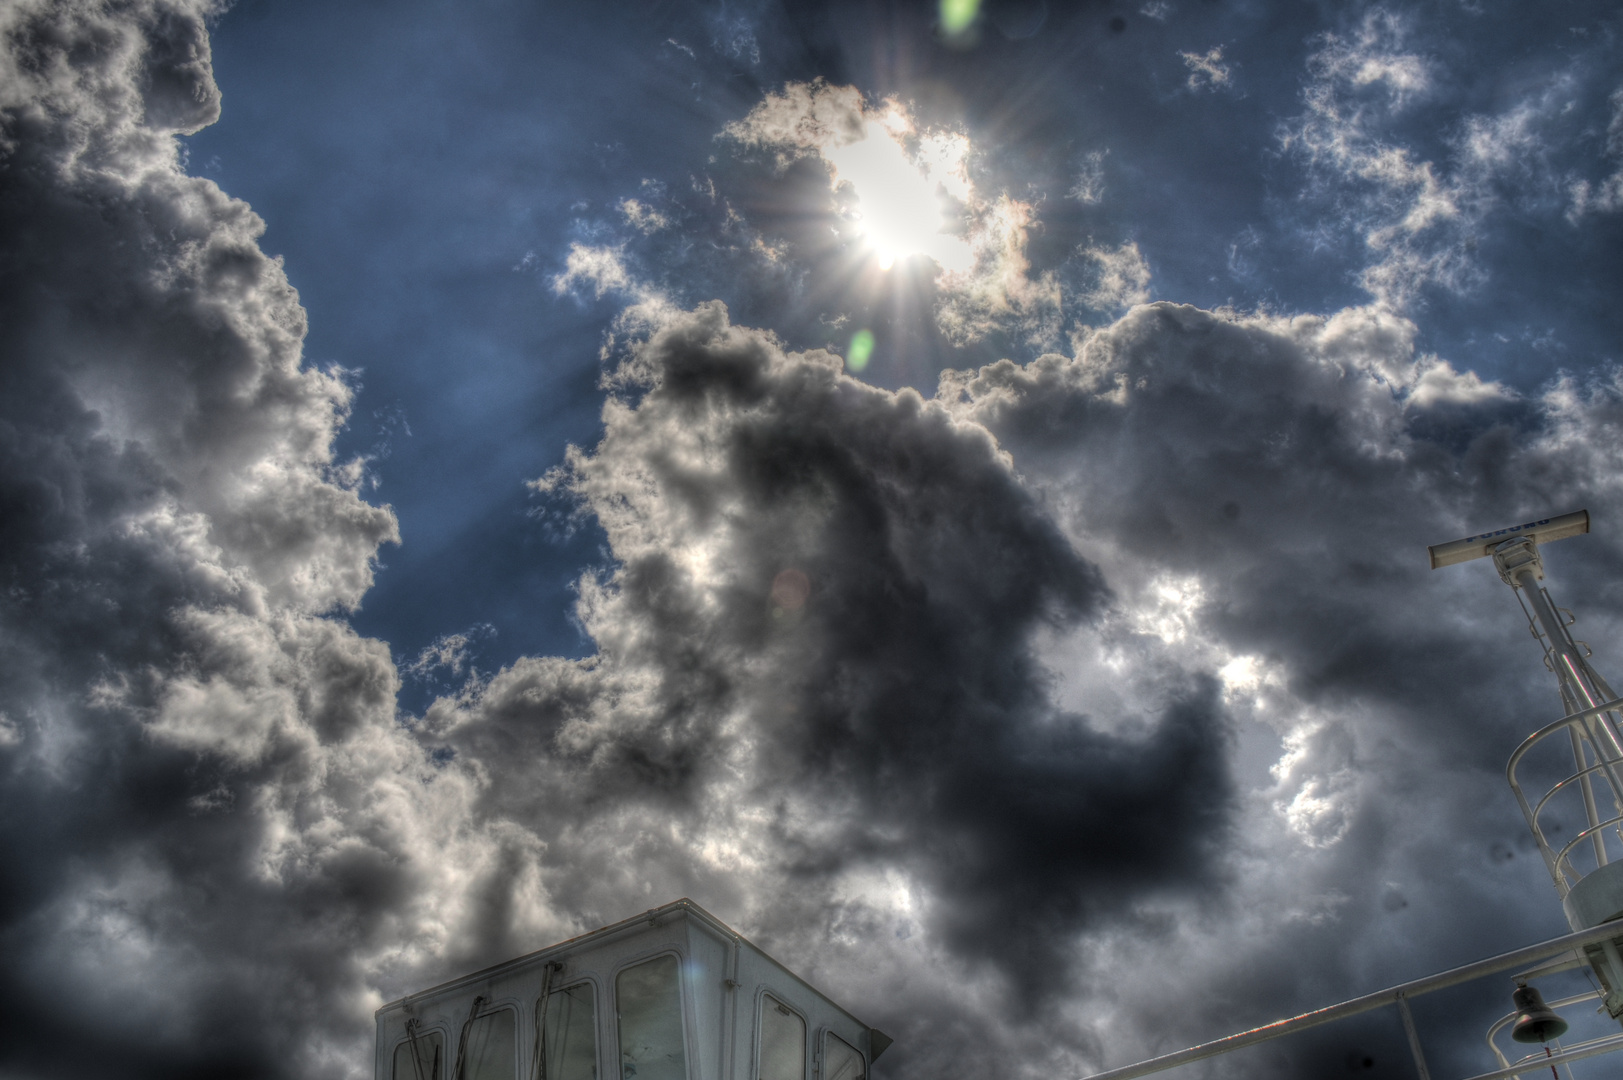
column 430, row 1052
column 648, row 1003
column 783, row 1041
column 841, row 1060
column 571, row 1034
column 489, row 1050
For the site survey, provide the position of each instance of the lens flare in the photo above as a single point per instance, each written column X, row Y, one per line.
column 856, row 358
column 957, row 15
column 790, row 590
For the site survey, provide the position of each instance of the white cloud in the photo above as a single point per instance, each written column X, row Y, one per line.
column 449, row 653
column 1373, row 54
column 1000, row 289
column 1420, row 219
column 804, row 118
column 1206, row 70
column 1497, row 143
column 1603, row 198
column 1606, row 196
column 1090, row 179
column 899, row 176
column 601, row 268
column 10, row 732
column 642, row 217
column 208, row 753
column 1411, row 216
column 1123, row 277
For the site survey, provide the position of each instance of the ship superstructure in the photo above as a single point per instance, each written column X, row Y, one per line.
column 671, row 994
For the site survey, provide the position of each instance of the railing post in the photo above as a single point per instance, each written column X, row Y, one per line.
column 1414, row 1036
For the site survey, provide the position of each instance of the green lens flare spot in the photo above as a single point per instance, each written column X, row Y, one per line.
column 956, row 15
column 861, row 349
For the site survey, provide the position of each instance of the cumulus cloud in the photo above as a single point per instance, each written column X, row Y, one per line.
column 207, row 778
column 1208, row 522
column 218, row 831
column 1260, row 491
column 941, row 698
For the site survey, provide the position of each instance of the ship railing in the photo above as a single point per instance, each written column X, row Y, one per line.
column 1536, row 1065
column 1541, row 1060
column 1594, row 780
column 1570, row 946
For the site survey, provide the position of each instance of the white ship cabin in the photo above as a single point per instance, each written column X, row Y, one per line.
column 672, row 994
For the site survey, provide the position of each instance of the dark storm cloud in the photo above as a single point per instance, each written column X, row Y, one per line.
column 1287, row 475
column 968, row 753
column 944, row 698
column 191, row 871
column 901, row 695
column 208, row 789
column 965, row 734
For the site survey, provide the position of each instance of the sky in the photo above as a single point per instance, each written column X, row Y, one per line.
column 950, row 500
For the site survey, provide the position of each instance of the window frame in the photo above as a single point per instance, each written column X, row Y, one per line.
column 807, row 1051
column 598, row 997
column 512, row 1005
column 823, row 1036
column 684, row 1003
column 439, row 1028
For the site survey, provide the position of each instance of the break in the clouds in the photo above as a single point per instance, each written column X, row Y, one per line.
column 907, row 198
column 1093, row 702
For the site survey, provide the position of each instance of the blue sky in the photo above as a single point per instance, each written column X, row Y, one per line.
column 951, row 504
column 423, row 168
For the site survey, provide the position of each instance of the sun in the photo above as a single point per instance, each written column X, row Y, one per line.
column 902, row 196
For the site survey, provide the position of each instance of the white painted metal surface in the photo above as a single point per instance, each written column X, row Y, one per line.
column 1542, row 531
column 486, row 1024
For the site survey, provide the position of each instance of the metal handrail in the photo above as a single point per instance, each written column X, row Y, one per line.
column 1564, row 857
column 1536, row 1065
column 1538, row 809
column 1355, row 1006
column 1571, row 722
column 1527, row 744
column 1538, row 812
